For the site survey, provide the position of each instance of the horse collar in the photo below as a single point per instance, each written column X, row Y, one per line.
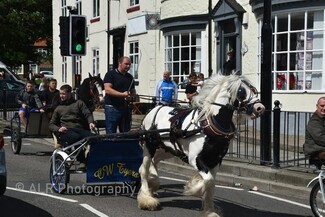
column 212, row 129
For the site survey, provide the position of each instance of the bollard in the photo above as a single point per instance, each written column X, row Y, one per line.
column 4, row 92
column 276, row 134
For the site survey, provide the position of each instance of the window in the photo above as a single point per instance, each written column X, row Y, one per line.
column 64, row 70
column 78, row 66
column 134, row 2
column 79, row 6
column 96, row 8
column 183, row 55
column 64, row 7
column 298, row 53
column 134, row 56
column 95, row 62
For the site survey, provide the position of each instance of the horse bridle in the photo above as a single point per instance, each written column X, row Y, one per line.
column 241, row 96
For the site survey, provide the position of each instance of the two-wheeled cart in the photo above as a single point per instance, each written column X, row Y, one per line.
column 37, row 127
column 111, row 158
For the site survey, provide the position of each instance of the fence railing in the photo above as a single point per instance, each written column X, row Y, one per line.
column 287, row 138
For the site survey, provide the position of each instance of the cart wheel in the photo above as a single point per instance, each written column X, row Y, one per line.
column 16, row 141
column 60, row 180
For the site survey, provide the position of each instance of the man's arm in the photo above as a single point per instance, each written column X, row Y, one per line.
column 316, row 130
column 112, row 92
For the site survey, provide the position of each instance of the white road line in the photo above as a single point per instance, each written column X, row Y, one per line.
column 43, row 194
column 280, row 199
column 91, row 209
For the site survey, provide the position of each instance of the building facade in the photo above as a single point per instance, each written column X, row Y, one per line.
column 195, row 36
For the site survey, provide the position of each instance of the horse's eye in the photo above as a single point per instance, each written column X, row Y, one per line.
column 241, row 94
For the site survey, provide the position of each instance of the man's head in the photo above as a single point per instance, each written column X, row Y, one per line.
column 166, row 75
column 65, row 92
column 124, row 64
column 52, row 84
column 30, row 86
column 320, row 106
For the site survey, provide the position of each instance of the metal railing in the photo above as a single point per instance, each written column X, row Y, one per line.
column 287, row 138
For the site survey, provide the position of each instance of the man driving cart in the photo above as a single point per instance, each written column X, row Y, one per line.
column 71, row 121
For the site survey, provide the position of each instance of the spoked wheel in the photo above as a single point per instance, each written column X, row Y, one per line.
column 16, row 141
column 60, row 177
column 316, row 202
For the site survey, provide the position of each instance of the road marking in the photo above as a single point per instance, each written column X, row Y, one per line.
column 280, row 199
column 91, row 209
column 43, row 194
column 217, row 186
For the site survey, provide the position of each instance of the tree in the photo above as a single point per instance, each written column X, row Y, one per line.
column 22, row 23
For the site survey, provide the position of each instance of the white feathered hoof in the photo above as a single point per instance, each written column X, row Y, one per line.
column 195, row 186
column 147, row 202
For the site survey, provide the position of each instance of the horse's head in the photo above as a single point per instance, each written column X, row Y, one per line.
column 229, row 93
column 249, row 102
column 96, row 87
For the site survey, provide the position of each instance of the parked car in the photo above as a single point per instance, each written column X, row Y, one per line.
column 3, row 169
column 12, row 90
column 7, row 74
column 47, row 74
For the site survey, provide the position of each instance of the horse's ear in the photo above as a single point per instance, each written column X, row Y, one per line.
column 90, row 76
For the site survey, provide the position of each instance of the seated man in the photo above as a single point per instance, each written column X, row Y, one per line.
column 28, row 99
column 314, row 146
column 71, row 120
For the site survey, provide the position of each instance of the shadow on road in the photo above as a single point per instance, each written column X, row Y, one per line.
column 13, row 207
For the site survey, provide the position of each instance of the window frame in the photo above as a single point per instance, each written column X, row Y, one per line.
column 298, row 70
column 134, row 56
column 173, row 62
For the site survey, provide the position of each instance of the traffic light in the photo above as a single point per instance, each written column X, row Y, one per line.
column 77, row 43
column 64, row 36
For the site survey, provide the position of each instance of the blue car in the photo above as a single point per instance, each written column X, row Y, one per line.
column 3, row 169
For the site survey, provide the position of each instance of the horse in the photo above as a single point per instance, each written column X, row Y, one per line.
column 91, row 91
column 200, row 136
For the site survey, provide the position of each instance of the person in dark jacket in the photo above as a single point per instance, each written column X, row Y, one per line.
column 28, row 99
column 71, row 120
column 314, row 146
column 191, row 88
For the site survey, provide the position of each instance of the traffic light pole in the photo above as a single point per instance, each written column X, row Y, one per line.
column 266, row 84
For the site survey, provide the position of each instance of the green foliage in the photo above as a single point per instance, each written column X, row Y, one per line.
column 22, row 23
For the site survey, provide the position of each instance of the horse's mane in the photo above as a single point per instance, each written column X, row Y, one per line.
column 213, row 87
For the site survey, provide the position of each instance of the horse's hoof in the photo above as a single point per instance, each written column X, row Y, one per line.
column 147, row 202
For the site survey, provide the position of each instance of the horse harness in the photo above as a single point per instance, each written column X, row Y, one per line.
column 207, row 125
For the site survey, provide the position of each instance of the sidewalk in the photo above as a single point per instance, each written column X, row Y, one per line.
column 236, row 172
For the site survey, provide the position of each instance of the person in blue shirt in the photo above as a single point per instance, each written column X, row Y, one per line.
column 166, row 90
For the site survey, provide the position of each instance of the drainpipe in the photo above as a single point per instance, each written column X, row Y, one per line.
column 210, row 39
column 108, row 35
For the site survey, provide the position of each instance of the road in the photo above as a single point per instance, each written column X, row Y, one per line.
column 29, row 194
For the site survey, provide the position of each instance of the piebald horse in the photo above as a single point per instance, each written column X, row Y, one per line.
column 199, row 136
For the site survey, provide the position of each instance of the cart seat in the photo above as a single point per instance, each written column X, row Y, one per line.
column 38, row 125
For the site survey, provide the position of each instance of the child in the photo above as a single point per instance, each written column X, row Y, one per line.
column 28, row 98
column 200, row 82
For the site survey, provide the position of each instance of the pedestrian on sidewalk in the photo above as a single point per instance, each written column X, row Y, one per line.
column 314, row 146
column 166, row 90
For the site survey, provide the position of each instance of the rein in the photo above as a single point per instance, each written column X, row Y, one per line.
column 228, row 106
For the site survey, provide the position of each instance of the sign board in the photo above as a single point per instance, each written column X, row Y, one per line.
column 114, row 160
